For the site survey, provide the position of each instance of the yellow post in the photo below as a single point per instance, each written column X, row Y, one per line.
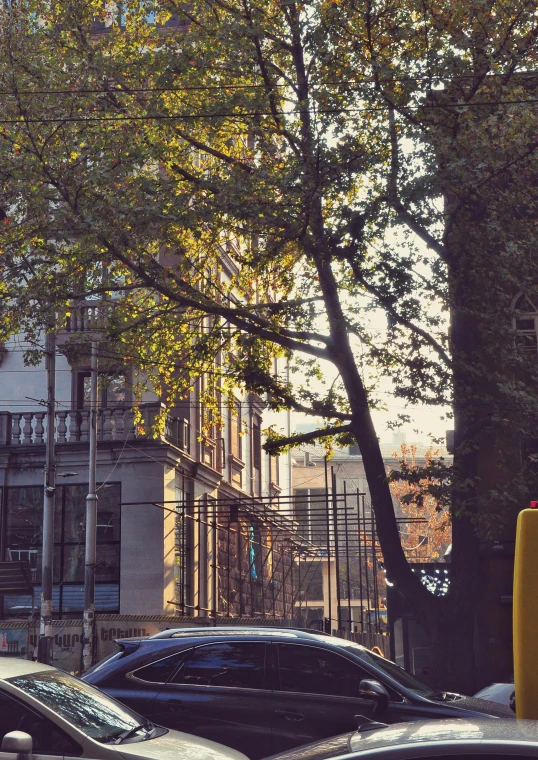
column 526, row 614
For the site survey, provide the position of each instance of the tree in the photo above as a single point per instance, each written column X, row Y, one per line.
column 423, row 501
column 351, row 158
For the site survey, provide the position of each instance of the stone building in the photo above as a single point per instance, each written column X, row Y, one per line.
column 187, row 523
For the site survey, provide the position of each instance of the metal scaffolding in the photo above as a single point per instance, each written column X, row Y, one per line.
column 316, row 562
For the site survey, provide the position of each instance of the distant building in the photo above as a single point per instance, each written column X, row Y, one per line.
column 333, row 510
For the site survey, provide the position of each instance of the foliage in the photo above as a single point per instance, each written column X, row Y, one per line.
column 423, row 494
column 245, row 180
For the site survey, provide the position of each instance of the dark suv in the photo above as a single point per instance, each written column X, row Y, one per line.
column 265, row 690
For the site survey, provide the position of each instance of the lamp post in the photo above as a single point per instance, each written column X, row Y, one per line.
column 88, row 625
column 44, row 647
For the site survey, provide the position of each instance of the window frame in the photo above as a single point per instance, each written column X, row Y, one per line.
column 65, row 545
column 102, row 389
column 132, row 674
column 310, row 500
column 278, row 681
column 522, row 314
column 256, row 453
column 236, row 439
column 266, row 676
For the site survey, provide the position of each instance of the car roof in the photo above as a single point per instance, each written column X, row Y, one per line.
column 11, row 667
column 452, row 729
column 247, row 630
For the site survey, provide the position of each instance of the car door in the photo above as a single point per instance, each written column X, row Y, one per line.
column 221, row 692
column 49, row 741
column 317, row 695
column 140, row 688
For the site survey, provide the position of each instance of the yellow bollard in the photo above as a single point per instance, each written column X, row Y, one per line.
column 525, row 613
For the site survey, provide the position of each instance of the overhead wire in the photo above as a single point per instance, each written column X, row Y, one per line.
column 439, row 78
column 26, row 120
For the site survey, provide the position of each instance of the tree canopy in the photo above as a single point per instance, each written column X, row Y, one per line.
column 342, row 159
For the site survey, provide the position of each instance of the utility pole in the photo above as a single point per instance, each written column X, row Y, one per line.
column 91, row 525
column 44, row 647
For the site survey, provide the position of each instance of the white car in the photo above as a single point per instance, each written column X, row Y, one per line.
column 67, row 718
column 503, row 693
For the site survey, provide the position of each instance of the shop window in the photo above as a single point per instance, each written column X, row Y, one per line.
column 23, row 538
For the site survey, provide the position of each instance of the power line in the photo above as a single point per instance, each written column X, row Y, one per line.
column 253, row 114
column 209, row 88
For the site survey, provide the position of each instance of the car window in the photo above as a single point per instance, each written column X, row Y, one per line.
column 48, row 739
column 90, row 710
column 105, row 661
column 238, row 664
column 312, row 670
column 162, row 670
column 390, row 668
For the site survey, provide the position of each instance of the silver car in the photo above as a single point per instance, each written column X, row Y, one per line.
column 56, row 716
column 454, row 739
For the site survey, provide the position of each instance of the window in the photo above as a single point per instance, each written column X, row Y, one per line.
column 90, row 710
column 391, row 669
column 526, row 322
column 162, row 670
column 256, row 454
column 256, row 442
column 311, row 670
column 238, row 665
column 273, row 469
column 48, row 739
column 311, row 512
column 255, row 552
column 24, row 541
column 111, row 390
column 235, row 430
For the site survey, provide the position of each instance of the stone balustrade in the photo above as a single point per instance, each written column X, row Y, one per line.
column 86, row 317
column 73, row 426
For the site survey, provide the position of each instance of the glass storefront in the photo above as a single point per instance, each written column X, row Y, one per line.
column 23, row 520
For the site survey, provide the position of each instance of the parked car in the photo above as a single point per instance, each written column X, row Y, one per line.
column 460, row 739
column 47, row 712
column 263, row 690
column 502, row 693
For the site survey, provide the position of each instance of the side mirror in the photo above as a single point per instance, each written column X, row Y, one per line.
column 371, row 689
column 18, row 743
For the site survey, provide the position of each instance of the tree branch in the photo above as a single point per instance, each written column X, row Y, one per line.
column 273, row 446
column 394, row 200
column 387, row 305
column 249, row 322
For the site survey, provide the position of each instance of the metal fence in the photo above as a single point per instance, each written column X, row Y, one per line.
column 312, row 559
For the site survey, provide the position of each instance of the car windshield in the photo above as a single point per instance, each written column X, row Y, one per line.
column 395, row 672
column 85, row 707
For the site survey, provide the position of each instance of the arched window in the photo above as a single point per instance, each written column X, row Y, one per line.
column 526, row 322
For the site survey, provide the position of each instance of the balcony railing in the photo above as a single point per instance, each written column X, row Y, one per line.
column 88, row 316
column 73, row 426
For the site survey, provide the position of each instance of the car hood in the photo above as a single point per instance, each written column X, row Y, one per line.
column 320, row 750
column 175, row 745
column 497, row 692
column 481, row 706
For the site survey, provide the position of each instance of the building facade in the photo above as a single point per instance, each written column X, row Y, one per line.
column 188, row 522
